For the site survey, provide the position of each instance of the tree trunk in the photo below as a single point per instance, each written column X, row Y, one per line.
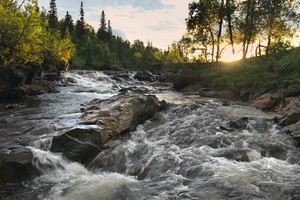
column 228, row 14
column 221, row 11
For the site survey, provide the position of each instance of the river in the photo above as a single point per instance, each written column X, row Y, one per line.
column 183, row 152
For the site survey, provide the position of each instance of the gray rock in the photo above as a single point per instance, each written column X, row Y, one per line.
column 145, row 76
column 114, row 116
column 15, row 165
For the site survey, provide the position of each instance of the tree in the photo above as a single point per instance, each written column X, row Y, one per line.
column 80, row 24
column 88, row 53
column 22, row 32
column 279, row 16
column 174, row 53
column 248, row 24
column 67, row 23
column 104, row 32
column 67, row 49
column 109, row 29
column 204, row 22
column 52, row 15
column 107, row 57
column 229, row 12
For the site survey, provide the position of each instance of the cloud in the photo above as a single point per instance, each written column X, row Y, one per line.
column 140, row 4
column 162, row 26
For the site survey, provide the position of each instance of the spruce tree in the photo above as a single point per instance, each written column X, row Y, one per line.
column 69, row 22
column 109, row 29
column 88, row 53
column 102, row 32
column 52, row 15
column 80, row 24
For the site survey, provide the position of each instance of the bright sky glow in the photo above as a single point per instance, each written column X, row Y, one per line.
column 158, row 21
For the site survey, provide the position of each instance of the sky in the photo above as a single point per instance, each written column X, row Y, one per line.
column 158, row 21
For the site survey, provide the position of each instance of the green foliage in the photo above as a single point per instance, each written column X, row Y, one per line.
column 246, row 22
column 261, row 72
column 52, row 15
column 22, row 33
column 25, row 38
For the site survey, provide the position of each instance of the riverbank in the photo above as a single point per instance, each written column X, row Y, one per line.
column 64, row 144
column 283, row 99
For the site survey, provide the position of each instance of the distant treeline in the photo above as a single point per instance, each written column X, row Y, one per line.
column 29, row 34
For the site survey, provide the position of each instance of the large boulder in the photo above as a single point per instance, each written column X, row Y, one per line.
column 19, row 81
column 290, row 109
column 145, row 76
column 16, row 165
column 183, row 79
column 267, row 101
column 114, row 116
column 86, row 142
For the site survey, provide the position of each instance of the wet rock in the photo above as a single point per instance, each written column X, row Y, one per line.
column 266, row 101
column 115, row 116
column 290, row 109
column 12, row 106
column 228, row 95
column 278, row 191
column 71, row 80
column 145, row 76
column 41, row 87
column 166, row 77
column 36, row 88
column 195, row 89
column 13, row 92
column 135, row 89
column 293, row 91
column 294, row 131
column 15, row 165
column 237, row 195
column 269, row 148
column 233, row 154
column 117, row 75
column 78, row 144
column 51, row 77
column 121, row 77
column 183, row 79
column 240, row 123
column 226, row 127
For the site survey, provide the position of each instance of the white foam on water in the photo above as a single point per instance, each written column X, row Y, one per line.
column 72, row 181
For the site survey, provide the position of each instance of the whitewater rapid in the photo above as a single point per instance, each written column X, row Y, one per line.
column 181, row 153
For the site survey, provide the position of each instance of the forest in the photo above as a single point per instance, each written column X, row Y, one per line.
column 35, row 39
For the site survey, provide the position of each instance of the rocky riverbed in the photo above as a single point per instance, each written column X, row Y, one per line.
column 114, row 137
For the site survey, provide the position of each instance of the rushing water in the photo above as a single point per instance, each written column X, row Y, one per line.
column 181, row 153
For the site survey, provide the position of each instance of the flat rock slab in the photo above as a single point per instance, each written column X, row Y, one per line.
column 114, row 116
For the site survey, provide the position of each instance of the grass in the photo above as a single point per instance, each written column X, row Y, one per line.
column 255, row 73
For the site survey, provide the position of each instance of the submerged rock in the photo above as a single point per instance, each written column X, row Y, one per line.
column 15, row 165
column 114, row 116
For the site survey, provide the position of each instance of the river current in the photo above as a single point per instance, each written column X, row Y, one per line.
column 183, row 152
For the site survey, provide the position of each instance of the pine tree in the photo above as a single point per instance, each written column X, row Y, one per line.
column 88, row 53
column 80, row 24
column 102, row 33
column 109, row 29
column 67, row 23
column 52, row 15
